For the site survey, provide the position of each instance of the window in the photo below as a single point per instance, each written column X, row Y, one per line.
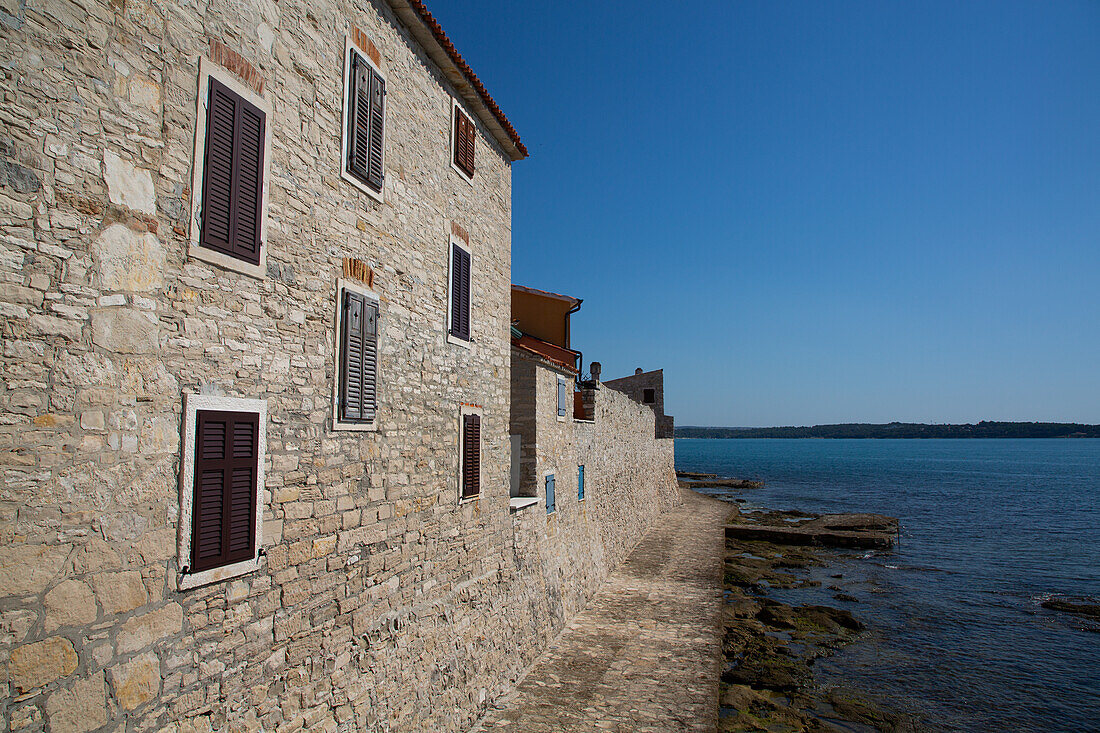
column 363, row 147
column 356, row 399
column 459, row 311
column 463, row 137
column 221, row 480
column 551, row 507
column 469, row 479
column 580, row 483
column 563, row 397
column 647, row 396
column 232, row 150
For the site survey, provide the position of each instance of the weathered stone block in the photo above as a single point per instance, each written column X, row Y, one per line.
column 40, row 663
column 129, row 260
column 136, row 682
column 70, row 603
column 120, row 592
column 28, row 569
column 80, row 708
column 124, row 330
column 128, row 185
column 146, row 630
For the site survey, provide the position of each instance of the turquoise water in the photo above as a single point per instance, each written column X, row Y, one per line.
column 990, row 528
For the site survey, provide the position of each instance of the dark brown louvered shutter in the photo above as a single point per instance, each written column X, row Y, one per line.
column 223, row 522
column 249, row 167
column 464, row 142
column 471, row 455
column 460, row 292
column 232, row 175
column 377, row 122
column 366, row 123
column 359, row 366
column 359, row 118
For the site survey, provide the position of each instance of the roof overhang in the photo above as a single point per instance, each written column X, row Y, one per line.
column 547, row 294
column 429, row 34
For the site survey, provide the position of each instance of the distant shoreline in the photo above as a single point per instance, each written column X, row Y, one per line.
column 897, row 430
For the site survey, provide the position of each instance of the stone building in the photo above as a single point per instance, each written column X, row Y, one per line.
column 255, row 295
column 649, row 389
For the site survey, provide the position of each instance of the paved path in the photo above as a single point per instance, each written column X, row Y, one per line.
column 643, row 656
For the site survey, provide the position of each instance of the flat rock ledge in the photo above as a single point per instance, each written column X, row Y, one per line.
column 855, row 531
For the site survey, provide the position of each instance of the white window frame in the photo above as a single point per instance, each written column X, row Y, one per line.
column 462, row 413
column 337, row 424
column 351, row 47
column 192, row 404
column 207, row 70
column 456, row 105
column 465, row 247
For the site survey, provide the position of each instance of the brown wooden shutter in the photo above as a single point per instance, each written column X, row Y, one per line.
column 359, row 365
column 464, row 142
column 366, row 123
column 223, row 521
column 375, row 173
column 232, row 175
column 471, row 455
column 460, row 292
column 359, row 118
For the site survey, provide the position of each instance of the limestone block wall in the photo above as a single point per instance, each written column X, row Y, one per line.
column 630, row 479
column 382, row 603
column 635, row 386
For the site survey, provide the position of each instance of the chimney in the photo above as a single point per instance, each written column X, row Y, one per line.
column 637, row 371
column 595, row 368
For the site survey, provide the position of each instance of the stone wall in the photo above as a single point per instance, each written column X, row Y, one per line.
column 630, row 479
column 635, row 386
column 383, row 603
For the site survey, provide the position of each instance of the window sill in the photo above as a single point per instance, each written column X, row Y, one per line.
column 468, row 499
column 228, row 262
column 355, row 427
column 455, row 168
column 517, row 503
column 215, row 575
column 584, row 421
column 376, row 195
column 460, row 342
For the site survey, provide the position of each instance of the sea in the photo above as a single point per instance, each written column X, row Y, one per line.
column 956, row 636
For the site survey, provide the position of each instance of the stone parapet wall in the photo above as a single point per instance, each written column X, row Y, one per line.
column 635, row 387
column 630, row 479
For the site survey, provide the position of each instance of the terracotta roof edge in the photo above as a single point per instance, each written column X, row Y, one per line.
column 418, row 18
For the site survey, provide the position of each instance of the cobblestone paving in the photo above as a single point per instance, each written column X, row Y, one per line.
column 643, row 657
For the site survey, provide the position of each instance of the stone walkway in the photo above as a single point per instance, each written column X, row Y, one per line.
column 643, row 657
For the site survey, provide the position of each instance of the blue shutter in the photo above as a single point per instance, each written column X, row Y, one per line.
column 580, row 483
column 561, row 397
column 550, row 507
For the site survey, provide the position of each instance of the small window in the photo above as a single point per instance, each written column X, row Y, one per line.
column 580, row 483
column 551, row 507
column 233, row 175
column 357, row 357
column 459, row 311
column 364, row 122
column 470, row 474
column 563, row 397
column 648, row 396
column 463, row 137
column 221, row 481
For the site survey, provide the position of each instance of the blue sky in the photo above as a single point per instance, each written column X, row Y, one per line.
column 812, row 212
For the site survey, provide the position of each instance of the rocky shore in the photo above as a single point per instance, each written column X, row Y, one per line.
column 770, row 646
